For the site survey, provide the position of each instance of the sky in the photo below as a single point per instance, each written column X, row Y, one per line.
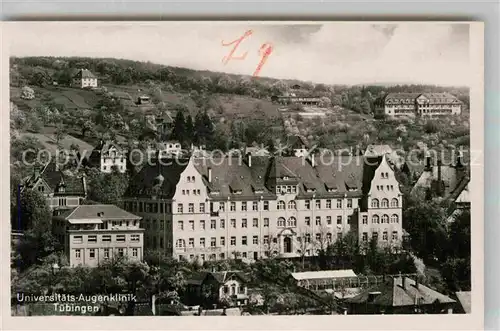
column 331, row 53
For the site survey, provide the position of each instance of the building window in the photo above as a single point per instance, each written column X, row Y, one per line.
column 318, row 237
column 394, row 235
column 134, row 238
column 222, row 241
column 202, row 224
column 394, row 203
column 244, row 240
column 180, row 225
column 365, row 237
column 222, row 206
column 318, row 204
column 244, row 223
column 244, row 206
column 180, row 208
column 191, row 208
column 349, row 203
column 191, row 225
column 266, row 205
column 233, row 223
column 121, row 252
column 329, row 220
column 292, row 222
column 339, row 203
column 308, row 238
column 120, row 238
column 292, row 205
column 213, row 224
column 222, row 224
column 191, row 242
column 394, row 218
column 266, row 240
column 329, row 237
column 307, row 204
column 281, row 222
column 385, row 218
column 255, row 206
column 233, row 206
column 365, row 219
column 213, row 242
column 339, row 220
column 78, row 239
column 318, row 220
column 385, row 203
column 384, row 236
column 233, row 241
column 92, row 253
column 281, row 205
column 308, row 221
column 202, row 242
column 339, row 235
column 255, row 240
column 266, row 222
column 106, row 253
column 202, row 207
column 92, row 239
column 255, row 222
column 375, row 236
column 328, row 204
column 375, row 203
column 135, row 252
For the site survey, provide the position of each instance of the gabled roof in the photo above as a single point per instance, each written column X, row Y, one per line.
column 401, row 96
column 221, row 277
column 392, row 293
column 103, row 212
column 465, row 301
column 105, row 146
column 296, row 142
column 84, row 74
column 54, row 178
column 377, row 150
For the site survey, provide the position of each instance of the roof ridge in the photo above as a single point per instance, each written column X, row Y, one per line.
column 67, row 217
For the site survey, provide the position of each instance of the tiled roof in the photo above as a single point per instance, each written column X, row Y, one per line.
column 296, row 142
column 452, row 177
column 400, row 96
column 84, row 73
column 220, row 276
column 393, row 294
column 104, row 146
column 440, row 98
column 73, row 185
column 105, row 212
column 232, row 177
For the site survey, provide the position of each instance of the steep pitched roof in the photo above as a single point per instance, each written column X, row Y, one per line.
column 377, row 150
column 84, row 74
column 397, row 97
column 147, row 181
column 393, row 294
column 54, row 178
column 106, row 212
column 221, row 277
column 296, row 142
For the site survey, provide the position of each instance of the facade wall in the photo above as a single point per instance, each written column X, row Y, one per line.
column 84, row 82
column 91, row 244
column 113, row 158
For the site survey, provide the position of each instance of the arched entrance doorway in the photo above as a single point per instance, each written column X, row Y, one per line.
column 287, row 244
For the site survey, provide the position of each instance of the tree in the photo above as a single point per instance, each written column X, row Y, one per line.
column 203, row 129
column 86, row 126
column 61, row 133
column 189, row 128
column 108, row 188
column 179, row 130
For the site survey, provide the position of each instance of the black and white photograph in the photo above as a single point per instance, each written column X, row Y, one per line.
column 244, row 168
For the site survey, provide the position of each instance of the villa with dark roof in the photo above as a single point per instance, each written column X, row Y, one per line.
column 92, row 234
column 400, row 295
column 422, row 104
column 108, row 155
column 61, row 189
column 84, row 78
column 252, row 207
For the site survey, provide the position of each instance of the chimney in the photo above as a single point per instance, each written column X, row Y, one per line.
column 36, row 172
column 153, row 304
column 460, row 159
column 403, row 282
column 416, row 283
column 313, row 161
column 428, row 165
column 350, row 152
column 249, row 160
column 209, row 174
column 84, row 183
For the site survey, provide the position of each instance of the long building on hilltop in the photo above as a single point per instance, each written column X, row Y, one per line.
column 421, row 104
column 252, row 207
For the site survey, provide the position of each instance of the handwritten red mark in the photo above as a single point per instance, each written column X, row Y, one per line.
column 265, row 50
column 237, row 42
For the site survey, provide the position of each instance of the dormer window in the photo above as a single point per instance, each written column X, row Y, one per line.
column 285, row 178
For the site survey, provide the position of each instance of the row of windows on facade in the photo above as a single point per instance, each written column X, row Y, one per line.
column 281, row 205
column 389, row 187
column 222, row 256
column 384, row 203
column 281, row 222
column 79, row 239
column 111, row 167
column 181, row 243
column 106, row 225
column 119, row 252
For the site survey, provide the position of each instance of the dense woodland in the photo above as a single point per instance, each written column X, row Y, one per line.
column 209, row 112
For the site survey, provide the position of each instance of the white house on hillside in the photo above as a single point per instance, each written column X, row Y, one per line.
column 84, row 78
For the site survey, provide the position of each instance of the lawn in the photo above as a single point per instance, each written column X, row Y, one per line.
column 48, row 140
